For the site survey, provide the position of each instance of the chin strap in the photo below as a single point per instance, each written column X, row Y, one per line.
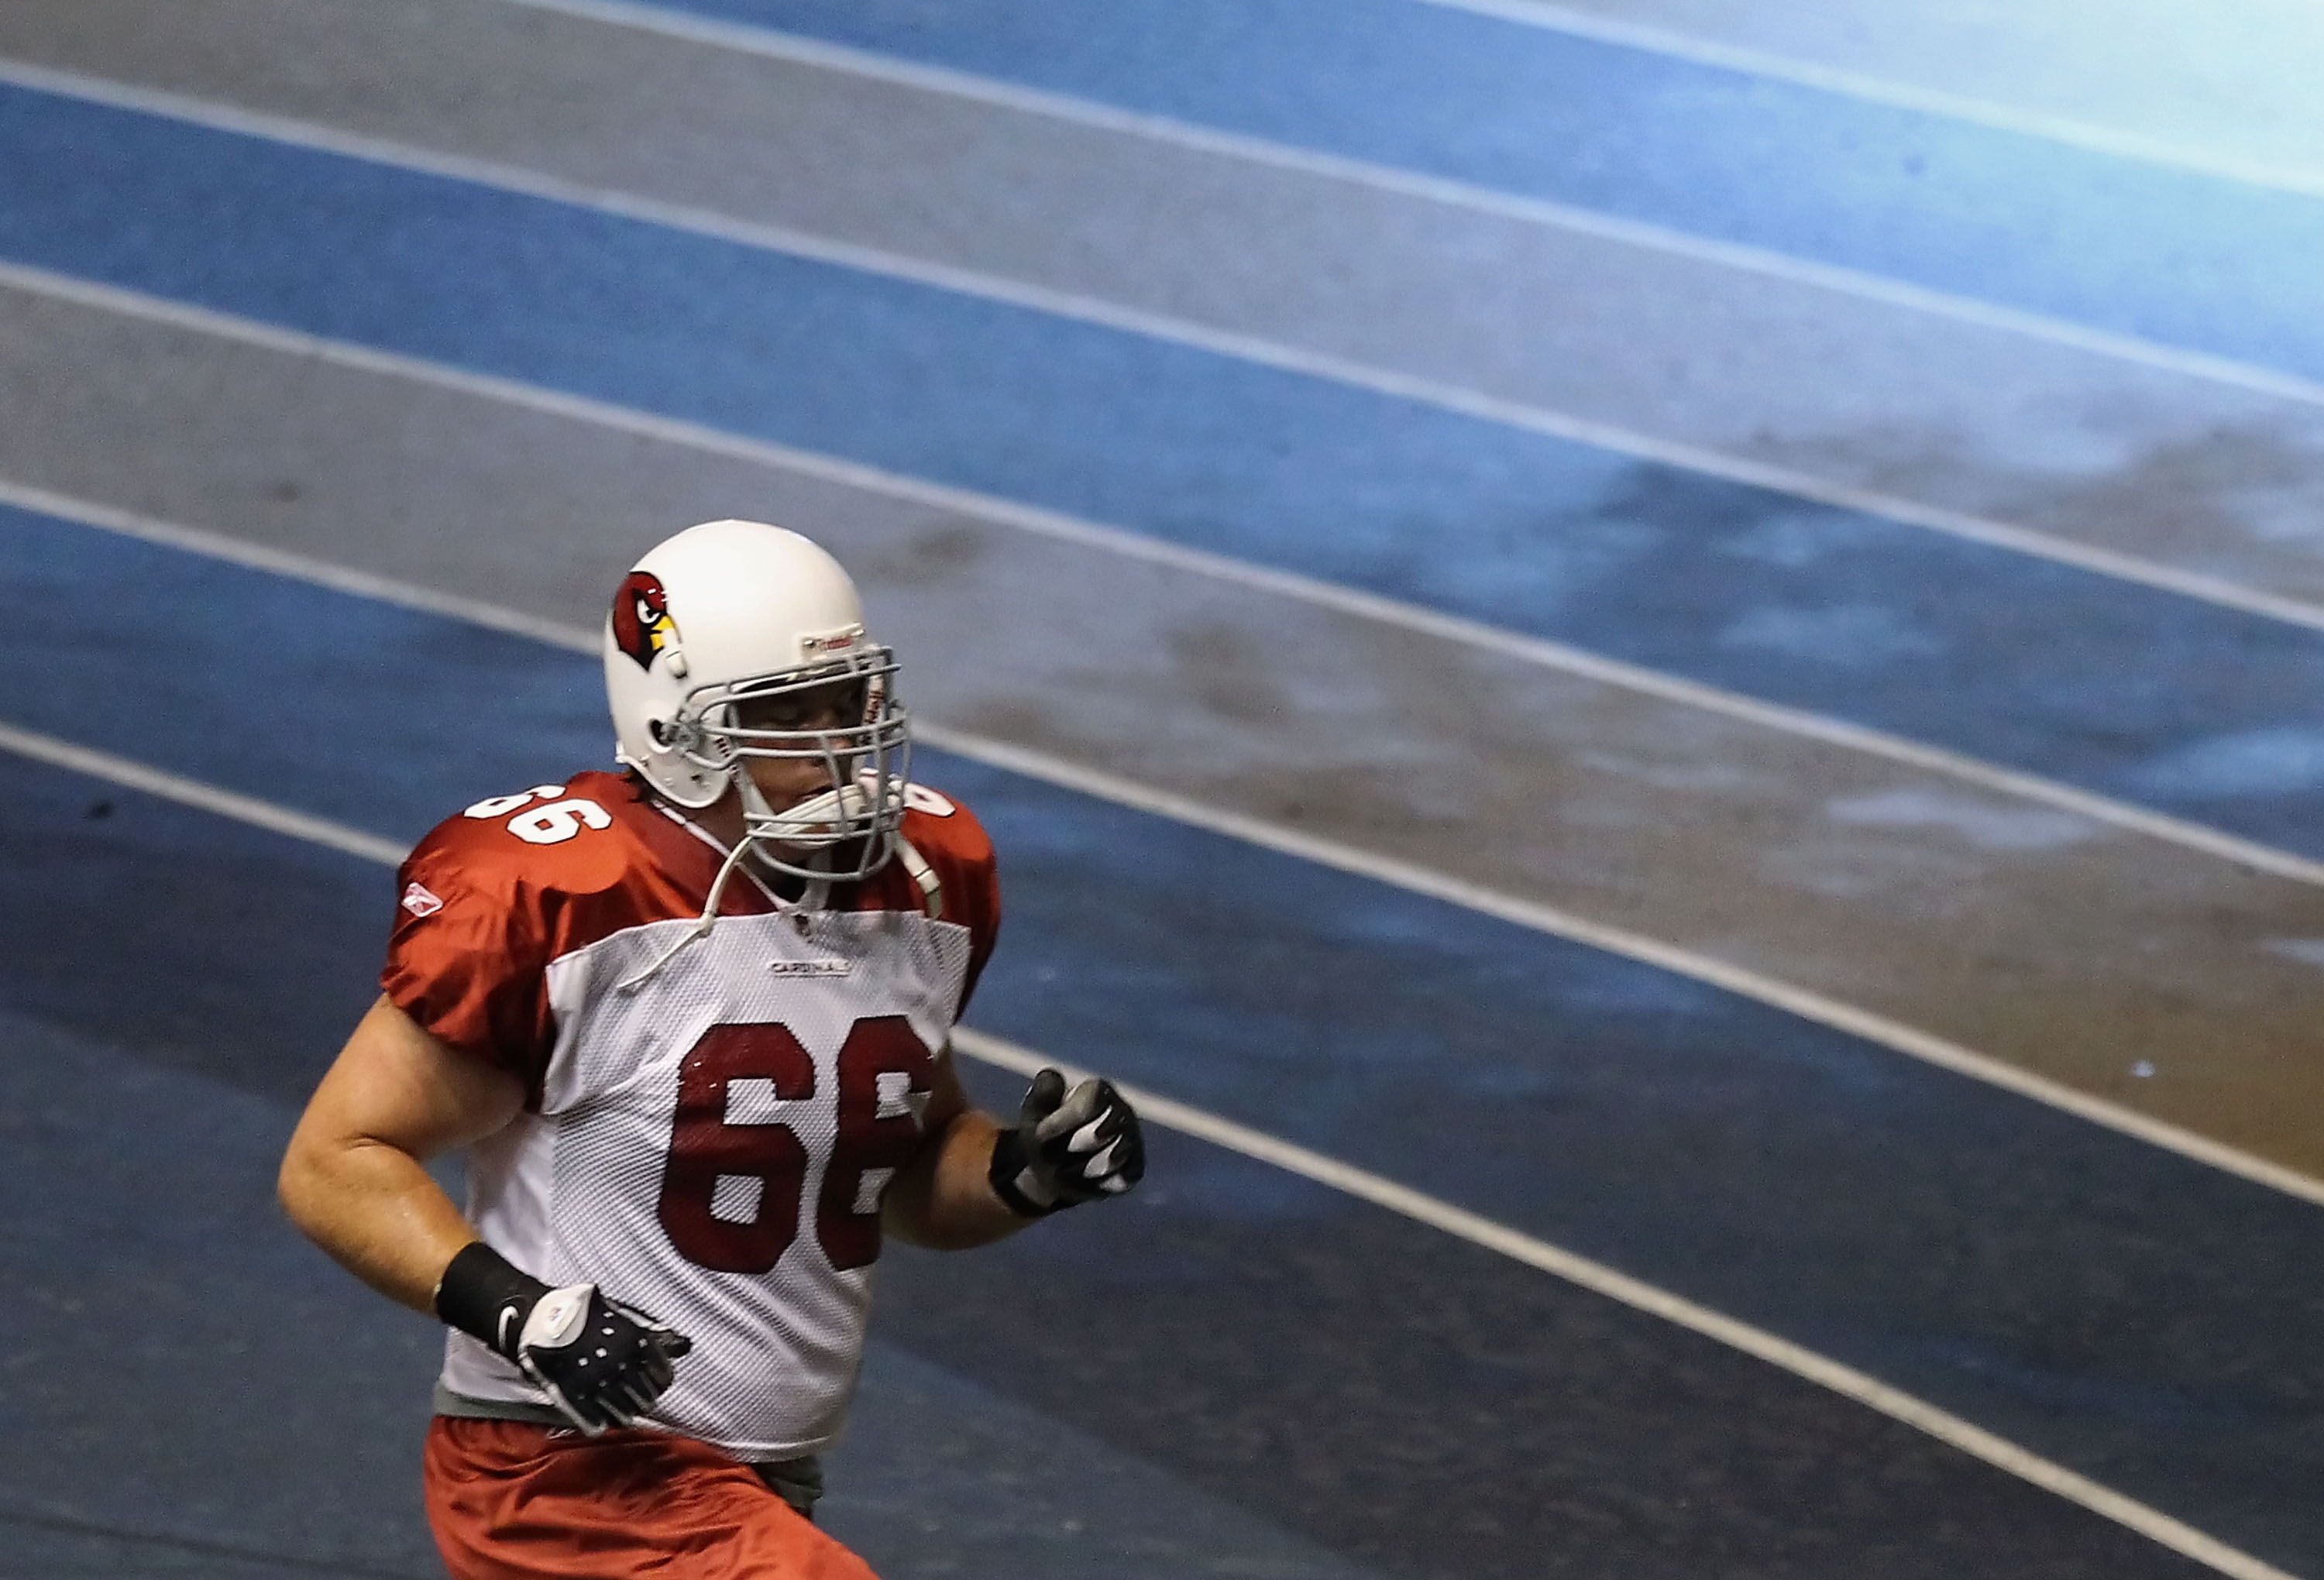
column 917, row 865
column 702, row 926
column 810, row 825
column 923, row 876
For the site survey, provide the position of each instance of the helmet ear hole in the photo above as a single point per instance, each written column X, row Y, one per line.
column 659, row 729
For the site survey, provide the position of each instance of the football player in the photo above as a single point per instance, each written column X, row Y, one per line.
column 692, row 1022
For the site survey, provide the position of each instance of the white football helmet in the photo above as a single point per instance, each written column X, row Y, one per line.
column 731, row 613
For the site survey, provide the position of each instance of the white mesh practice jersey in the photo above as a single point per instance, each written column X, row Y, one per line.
column 707, row 1141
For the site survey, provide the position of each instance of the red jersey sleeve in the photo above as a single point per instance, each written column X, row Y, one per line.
column 469, row 959
column 948, row 836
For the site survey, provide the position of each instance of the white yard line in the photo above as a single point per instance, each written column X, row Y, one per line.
column 177, row 788
column 744, row 38
column 1173, row 331
column 1473, row 1227
column 1867, row 89
column 1548, row 655
column 1411, row 877
column 1601, row 1280
column 1794, row 1000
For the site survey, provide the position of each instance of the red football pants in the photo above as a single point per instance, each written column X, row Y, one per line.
column 508, row 1500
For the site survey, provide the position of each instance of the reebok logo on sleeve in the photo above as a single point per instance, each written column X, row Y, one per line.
column 419, row 902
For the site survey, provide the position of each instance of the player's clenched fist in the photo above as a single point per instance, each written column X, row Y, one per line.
column 602, row 1364
column 1068, row 1147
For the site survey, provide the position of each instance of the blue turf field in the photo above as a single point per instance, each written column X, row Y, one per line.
column 2206, row 712
column 1710, row 1145
column 1239, row 1371
column 2013, row 220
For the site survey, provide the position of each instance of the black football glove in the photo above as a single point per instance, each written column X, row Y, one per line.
column 1068, row 1147
column 601, row 1362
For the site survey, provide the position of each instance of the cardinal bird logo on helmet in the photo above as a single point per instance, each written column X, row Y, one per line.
column 642, row 623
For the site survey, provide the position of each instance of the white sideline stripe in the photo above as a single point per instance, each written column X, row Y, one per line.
column 745, row 38
column 1802, row 1002
column 1601, row 1280
column 1548, row 655
column 1425, row 1209
column 1410, row 877
column 299, row 567
column 1173, row 331
column 1882, row 90
column 246, row 809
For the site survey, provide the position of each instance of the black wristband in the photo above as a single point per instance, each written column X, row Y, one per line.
column 487, row 1297
column 1008, row 1162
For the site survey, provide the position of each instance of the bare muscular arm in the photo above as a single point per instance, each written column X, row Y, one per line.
column 352, row 1179
column 941, row 1199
